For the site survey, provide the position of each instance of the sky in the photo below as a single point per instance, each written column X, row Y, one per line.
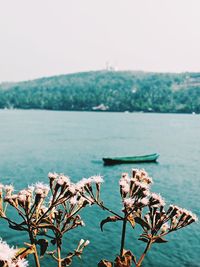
column 50, row 37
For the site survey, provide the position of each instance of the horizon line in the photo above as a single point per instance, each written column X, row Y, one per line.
column 97, row 70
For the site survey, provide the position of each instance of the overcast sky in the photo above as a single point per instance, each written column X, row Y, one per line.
column 49, row 37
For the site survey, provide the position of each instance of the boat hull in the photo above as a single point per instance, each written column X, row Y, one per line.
column 135, row 159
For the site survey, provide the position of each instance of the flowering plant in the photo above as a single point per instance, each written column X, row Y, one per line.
column 146, row 209
column 50, row 210
column 53, row 210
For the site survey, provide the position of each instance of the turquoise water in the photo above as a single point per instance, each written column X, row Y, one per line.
column 32, row 143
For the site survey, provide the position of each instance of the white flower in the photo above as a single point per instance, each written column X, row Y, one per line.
column 149, row 180
column 129, row 202
column 81, row 184
column 63, row 179
column 52, row 175
column 190, row 214
column 22, row 198
column 97, row 179
column 19, row 263
column 73, row 200
column 134, row 171
column 81, row 242
column 164, row 227
column 31, row 188
column 146, row 193
column 6, row 253
column 141, row 176
column 25, row 192
column 157, row 199
column 13, row 197
column 143, row 186
column 72, row 188
column 137, row 183
column 144, row 201
column 194, row 217
column 87, row 242
column 82, row 223
column 38, row 191
column 9, row 189
column 89, row 180
column 122, row 182
column 143, row 173
column 125, row 177
column 41, row 187
column 126, row 188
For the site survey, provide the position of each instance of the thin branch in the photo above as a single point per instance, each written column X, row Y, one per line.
column 144, row 253
column 105, row 208
column 123, row 236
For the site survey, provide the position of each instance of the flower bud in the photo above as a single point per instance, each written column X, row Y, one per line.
column 87, row 242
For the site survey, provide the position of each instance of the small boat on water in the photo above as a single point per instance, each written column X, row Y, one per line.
column 134, row 159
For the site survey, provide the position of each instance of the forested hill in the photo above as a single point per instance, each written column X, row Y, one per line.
column 107, row 90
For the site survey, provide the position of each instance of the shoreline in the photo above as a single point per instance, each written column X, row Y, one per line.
column 99, row 111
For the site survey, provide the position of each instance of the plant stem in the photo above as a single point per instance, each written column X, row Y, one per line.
column 36, row 257
column 59, row 255
column 105, row 208
column 144, row 253
column 123, row 235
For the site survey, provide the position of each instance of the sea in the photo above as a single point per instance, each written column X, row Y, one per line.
column 35, row 142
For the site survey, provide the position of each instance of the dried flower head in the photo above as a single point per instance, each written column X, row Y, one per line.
column 98, row 179
column 8, row 189
column 41, row 189
column 141, row 176
column 156, row 200
column 52, row 175
column 62, row 179
column 129, row 202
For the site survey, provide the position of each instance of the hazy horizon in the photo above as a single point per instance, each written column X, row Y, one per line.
column 47, row 38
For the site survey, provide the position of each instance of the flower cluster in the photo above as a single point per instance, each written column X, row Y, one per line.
column 27, row 198
column 156, row 223
column 85, row 187
column 141, row 206
column 79, row 192
column 51, row 208
column 8, row 256
column 134, row 190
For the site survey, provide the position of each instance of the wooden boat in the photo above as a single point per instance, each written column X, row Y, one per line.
column 134, row 159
